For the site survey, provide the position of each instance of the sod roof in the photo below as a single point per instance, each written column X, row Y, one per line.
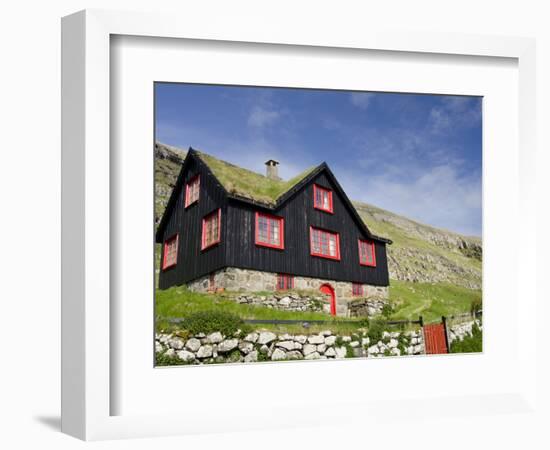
column 248, row 184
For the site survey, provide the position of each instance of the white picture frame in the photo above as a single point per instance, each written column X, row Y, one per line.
column 87, row 317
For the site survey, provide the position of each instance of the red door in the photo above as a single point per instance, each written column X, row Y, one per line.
column 327, row 289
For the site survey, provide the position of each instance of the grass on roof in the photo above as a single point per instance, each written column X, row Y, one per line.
column 248, row 184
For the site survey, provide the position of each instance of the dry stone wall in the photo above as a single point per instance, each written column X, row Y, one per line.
column 263, row 345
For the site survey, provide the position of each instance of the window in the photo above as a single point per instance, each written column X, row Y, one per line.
column 270, row 231
column 324, row 243
column 322, row 198
column 367, row 255
column 192, row 191
column 285, row 282
column 357, row 289
column 170, row 253
column 211, row 229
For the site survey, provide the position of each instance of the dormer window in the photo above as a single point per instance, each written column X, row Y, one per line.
column 192, row 189
column 367, row 255
column 322, row 198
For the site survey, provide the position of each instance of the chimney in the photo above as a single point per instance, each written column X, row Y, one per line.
column 271, row 170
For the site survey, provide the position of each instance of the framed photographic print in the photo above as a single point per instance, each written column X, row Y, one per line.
column 260, row 227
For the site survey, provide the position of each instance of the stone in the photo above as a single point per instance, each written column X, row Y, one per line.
column 251, row 337
column 186, row 356
column 354, row 344
column 346, row 338
column 309, row 348
column 227, row 345
column 204, row 352
column 176, row 343
column 251, row 357
column 330, row 352
column 330, row 340
column 200, row 335
column 385, row 335
column 394, row 335
column 285, row 337
column 300, row 338
column 316, row 339
column 214, row 338
column 287, row 345
column 264, row 349
column 266, row 337
column 365, row 341
column 410, row 350
column 298, row 346
column 373, row 350
column 321, row 348
column 158, row 347
column 326, row 333
column 285, row 301
column 313, row 355
column 278, row 355
column 193, row 344
column 341, row 352
column 393, row 343
column 170, row 353
column 294, row 354
column 418, row 349
column 395, row 351
column 246, row 347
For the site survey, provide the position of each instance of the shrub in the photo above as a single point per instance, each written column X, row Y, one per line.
column 211, row 321
column 387, row 311
column 476, row 305
column 162, row 360
column 470, row 344
column 376, row 329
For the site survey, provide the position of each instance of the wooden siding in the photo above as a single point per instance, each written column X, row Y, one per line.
column 192, row 262
column 238, row 248
column 299, row 214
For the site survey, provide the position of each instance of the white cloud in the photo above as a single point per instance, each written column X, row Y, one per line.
column 260, row 117
column 453, row 113
column 361, row 99
column 439, row 196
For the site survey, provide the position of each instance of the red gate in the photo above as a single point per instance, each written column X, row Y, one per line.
column 435, row 339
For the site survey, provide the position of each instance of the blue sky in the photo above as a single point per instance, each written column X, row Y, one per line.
column 415, row 155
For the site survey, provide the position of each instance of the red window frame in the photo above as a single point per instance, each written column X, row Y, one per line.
column 217, row 213
column 285, row 282
column 313, row 230
column 316, row 205
column 373, row 251
column 357, row 289
column 192, row 181
column 281, row 221
column 165, row 263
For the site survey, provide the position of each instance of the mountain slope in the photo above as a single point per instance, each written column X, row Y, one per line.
column 419, row 253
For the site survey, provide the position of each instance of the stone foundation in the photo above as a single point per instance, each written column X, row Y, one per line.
column 243, row 280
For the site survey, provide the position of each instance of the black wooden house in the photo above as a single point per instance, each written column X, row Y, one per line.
column 228, row 227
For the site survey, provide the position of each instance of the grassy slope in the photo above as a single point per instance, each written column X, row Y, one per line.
column 178, row 302
column 431, row 301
